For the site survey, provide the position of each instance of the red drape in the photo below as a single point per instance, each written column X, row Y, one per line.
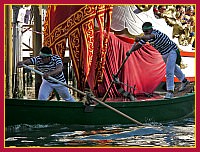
column 96, row 56
column 58, row 24
column 76, row 22
column 144, row 68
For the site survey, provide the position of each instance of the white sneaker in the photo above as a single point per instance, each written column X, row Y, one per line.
column 183, row 85
column 169, row 95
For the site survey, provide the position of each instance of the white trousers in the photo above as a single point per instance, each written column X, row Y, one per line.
column 172, row 69
column 46, row 88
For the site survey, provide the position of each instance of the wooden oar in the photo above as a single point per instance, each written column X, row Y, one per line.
column 100, row 102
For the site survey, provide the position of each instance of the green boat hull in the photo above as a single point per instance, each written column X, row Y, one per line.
column 22, row 111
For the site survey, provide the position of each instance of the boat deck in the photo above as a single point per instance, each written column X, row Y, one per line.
column 158, row 94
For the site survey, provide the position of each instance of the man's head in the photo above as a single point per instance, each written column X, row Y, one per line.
column 161, row 8
column 147, row 28
column 45, row 51
column 45, row 54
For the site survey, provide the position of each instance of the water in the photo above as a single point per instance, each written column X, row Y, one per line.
column 171, row 134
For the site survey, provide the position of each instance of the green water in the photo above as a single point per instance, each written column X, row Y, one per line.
column 171, row 134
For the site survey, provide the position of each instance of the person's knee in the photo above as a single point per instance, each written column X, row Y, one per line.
column 42, row 96
column 169, row 73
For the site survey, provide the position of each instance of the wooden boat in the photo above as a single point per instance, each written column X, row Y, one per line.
column 23, row 111
column 152, row 108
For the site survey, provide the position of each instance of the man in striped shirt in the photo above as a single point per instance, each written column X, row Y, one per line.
column 169, row 52
column 49, row 65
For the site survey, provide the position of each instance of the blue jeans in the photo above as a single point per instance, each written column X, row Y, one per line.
column 172, row 69
column 46, row 88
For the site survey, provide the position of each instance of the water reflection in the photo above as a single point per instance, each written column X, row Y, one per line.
column 180, row 133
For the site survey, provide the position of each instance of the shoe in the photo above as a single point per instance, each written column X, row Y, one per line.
column 183, row 85
column 169, row 95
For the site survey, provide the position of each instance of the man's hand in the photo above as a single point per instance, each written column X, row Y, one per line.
column 46, row 75
column 137, row 39
column 26, row 62
column 20, row 64
column 131, row 50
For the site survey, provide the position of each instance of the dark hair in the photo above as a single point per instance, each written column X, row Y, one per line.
column 146, row 24
column 159, row 7
column 46, row 50
column 178, row 6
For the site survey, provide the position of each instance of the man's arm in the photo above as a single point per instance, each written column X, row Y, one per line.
column 26, row 62
column 142, row 40
column 147, row 37
column 135, row 47
column 58, row 70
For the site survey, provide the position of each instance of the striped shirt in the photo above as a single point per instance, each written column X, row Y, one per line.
column 161, row 42
column 50, row 66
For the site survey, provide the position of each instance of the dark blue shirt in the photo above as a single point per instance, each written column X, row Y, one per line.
column 50, row 66
column 161, row 42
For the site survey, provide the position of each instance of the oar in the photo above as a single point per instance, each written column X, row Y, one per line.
column 109, row 107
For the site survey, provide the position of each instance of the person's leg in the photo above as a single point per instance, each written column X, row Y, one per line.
column 64, row 92
column 170, row 60
column 178, row 73
column 45, row 90
column 170, row 69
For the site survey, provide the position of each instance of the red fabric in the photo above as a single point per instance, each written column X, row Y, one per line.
column 76, row 22
column 144, row 68
column 59, row 22
column 103, row 16
column 125, row 39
